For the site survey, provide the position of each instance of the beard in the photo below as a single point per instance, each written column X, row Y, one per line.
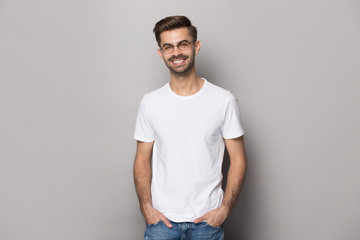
column 182, row 70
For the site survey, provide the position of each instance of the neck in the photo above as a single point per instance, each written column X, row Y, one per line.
column 185, row 84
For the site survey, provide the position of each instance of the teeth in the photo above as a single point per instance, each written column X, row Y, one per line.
column 178, row 61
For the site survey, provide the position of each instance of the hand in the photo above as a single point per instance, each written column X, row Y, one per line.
column 215, row 217
column 152, row 215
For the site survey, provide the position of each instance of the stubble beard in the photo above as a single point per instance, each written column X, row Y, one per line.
column 183, row 71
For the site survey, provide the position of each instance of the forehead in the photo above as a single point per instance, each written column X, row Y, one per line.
column 175, row 35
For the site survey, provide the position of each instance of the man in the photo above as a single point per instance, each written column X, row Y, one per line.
column 181, row 131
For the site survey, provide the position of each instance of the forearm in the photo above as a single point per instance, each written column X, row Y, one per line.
column 235, row 179
column 142, row 179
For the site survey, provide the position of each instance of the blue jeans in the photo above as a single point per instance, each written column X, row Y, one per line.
column 183, row 231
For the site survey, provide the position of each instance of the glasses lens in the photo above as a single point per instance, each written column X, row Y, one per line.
column 183, row 45
column 168, row 48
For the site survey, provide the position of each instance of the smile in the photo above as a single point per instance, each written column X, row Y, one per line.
column 178, row 61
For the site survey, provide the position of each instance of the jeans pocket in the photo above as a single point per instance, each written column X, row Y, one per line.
column 153, row 224
column 216, row 227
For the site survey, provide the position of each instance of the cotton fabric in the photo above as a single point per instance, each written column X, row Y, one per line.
column 188, row 134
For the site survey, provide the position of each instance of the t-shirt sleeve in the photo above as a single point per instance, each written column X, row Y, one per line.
column 231, row 127
column 143, row 129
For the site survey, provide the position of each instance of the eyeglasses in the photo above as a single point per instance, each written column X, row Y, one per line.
column 182, row 45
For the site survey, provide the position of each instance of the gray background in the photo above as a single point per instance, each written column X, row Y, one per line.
column 72, row 75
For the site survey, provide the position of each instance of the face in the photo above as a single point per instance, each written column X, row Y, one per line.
column 179, row 61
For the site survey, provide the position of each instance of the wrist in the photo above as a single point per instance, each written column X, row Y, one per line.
column 225, row 209
column 146, row 206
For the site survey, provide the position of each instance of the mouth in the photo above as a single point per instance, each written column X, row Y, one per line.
column 178, row 61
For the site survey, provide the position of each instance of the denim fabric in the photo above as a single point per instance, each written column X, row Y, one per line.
column 183, row 231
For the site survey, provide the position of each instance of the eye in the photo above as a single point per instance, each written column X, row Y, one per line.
column 167, row 47
column 183, row 44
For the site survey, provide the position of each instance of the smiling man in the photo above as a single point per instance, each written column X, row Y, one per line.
column 182, row 130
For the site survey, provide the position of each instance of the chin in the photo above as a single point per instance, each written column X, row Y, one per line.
column 183, row 72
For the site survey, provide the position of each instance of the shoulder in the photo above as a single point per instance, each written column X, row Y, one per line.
column 218, row 92
column 155, row 95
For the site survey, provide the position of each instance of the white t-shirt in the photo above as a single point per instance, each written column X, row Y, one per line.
column 188, row 134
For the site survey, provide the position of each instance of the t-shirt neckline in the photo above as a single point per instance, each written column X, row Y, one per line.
column 190, row 96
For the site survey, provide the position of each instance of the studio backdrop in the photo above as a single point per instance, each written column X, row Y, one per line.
column 72, row 74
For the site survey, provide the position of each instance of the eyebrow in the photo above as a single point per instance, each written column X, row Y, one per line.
column 175, row 43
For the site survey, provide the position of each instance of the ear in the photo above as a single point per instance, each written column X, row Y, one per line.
column 197, row 47
column 160, row 53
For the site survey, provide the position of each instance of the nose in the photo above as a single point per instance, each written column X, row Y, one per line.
column 176, row 51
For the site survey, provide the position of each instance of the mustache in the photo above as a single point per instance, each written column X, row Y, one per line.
column 177, row 57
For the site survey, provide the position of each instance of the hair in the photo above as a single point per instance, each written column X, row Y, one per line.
column 171, row 23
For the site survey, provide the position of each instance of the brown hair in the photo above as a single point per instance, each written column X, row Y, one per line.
column 171, row 23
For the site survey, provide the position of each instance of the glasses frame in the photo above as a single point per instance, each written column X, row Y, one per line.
column 177, row 45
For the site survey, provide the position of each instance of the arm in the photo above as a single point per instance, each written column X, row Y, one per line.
column 235, row 178
column 236, row 172
column 142, row 179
